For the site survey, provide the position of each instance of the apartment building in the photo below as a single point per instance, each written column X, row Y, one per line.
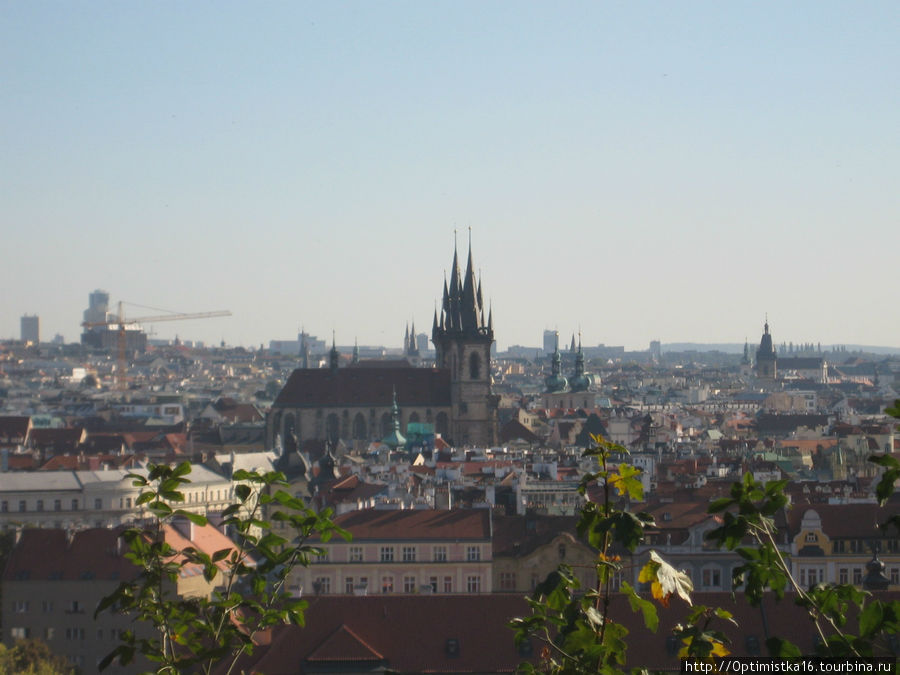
column 410, row 551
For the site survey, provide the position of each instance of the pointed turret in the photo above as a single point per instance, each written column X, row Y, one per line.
column 334, row 356
column 355, row 358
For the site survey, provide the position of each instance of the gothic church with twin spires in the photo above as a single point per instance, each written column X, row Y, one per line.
column 352, row 405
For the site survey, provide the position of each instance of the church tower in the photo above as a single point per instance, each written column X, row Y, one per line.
column 462, row 341
column 766, row 360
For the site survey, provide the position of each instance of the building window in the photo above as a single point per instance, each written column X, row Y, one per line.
column 98, row 503
column 49, row 632
column 837, row 546
column 348, row 585
column 507, row 581
column 40, row 504
column 363, row 584
column 561, row 551
column 20, row 606
column 47, row 606
column 810, row 576
column 473, row 584
column 387, row 584
column 4, row 506
column 74, row 633
column 448, row 584
column 19, row 633
column 895, row 576
column 387, row 554
column 440, row 554
column 322, row 585
column 74, row 504
column 843, row 575
column 324, row 555
column 473, row 553
column 22, row 506
column 433, row 582
column 409, row 584
column 409, row 554
column 811, row 538
column 857, row 575
column 356, row 554
column 712, row 577
column 57, row 504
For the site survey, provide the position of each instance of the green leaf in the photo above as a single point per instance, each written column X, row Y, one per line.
column 871, row 619
column 647, row 608
column 195, row 518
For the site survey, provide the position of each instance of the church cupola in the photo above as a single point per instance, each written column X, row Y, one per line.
column 556, row 381
column 581, row 381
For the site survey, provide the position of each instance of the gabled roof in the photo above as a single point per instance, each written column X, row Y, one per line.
column 343, row 645
column 410, row 634
column 365, row 387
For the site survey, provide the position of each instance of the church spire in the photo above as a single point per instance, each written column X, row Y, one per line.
column 334, row 355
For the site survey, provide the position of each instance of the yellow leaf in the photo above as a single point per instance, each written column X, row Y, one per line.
column 719, row 649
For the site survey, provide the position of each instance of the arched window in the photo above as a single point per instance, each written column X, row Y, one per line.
column 360, row 433
column 474, row 366
column 386, row 425
column 289, row 433
column 413, row 418
column 332, row 428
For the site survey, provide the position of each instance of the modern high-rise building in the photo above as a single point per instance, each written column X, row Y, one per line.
column 98, row 307
column 31, row 328
column 551, row 338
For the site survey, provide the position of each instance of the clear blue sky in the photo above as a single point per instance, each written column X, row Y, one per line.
column 654, row 170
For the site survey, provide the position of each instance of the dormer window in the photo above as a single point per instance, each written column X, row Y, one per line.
column 451, row 647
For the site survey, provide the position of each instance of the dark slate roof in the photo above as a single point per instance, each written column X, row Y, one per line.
column 515, row 536
column 322, row 387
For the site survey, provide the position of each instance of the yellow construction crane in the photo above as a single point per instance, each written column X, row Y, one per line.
column 122, row 322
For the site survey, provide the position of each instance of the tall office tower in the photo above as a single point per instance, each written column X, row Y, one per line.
column 31, row 329
column 98, row 307
column 550, row 337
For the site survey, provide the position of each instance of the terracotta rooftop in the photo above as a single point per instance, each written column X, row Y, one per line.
column 49, row 555
column 416, row 524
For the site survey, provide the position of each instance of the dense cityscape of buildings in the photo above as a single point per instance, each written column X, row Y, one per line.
column 455, row 468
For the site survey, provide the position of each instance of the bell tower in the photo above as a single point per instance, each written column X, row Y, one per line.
column 462, row 340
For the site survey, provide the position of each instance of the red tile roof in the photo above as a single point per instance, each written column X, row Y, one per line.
column 344, row 645
column 416, row 524
column 407, row 633
column 47, row 554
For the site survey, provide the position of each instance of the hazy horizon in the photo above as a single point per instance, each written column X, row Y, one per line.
column 658, row 171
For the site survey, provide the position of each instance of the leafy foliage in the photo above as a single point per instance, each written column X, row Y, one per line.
column 194, row 634
column 32, row 657
column 576, row 626
column 581, row 637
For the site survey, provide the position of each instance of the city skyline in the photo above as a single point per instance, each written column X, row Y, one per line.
column 657, row 172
